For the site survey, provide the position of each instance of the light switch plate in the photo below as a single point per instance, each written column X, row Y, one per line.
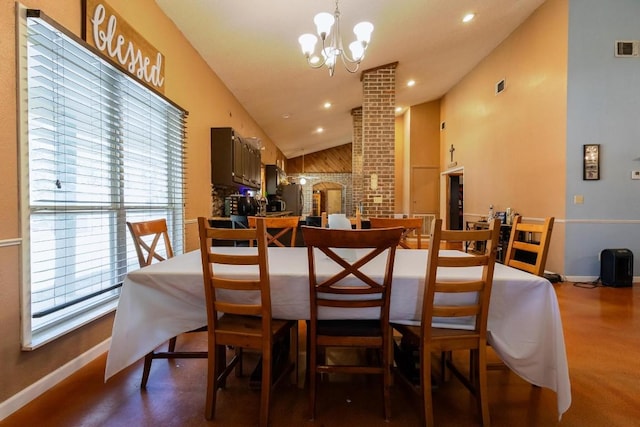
column 377, row 199
column 578, row 199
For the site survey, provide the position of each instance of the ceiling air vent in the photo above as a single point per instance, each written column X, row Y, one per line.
column 500, row 86
column 627, row 48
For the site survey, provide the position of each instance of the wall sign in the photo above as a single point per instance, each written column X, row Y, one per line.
column 591, row 162
column 105, row 30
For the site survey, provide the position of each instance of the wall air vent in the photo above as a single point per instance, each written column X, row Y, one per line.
column 627, row 48
column 500, row 86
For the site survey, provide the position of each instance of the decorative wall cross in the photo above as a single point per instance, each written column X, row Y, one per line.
column 451, row 150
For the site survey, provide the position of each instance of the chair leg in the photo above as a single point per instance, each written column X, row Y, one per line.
column 239, row 366
column 480, row 357
column 172, row 344
column 425, row 386
column 293, row 351
column 386, row 380
column 146, row 369
column 215, row 353
column 266, row 386
column 313, row 378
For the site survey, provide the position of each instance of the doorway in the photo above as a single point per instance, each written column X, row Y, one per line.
column 329, row 197
column 455, row 201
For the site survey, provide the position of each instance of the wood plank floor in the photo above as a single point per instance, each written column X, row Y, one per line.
column 602, row 333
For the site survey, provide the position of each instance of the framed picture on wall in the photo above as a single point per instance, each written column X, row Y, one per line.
column 591, row 162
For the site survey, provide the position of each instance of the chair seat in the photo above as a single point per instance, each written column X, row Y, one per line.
column 234, row 324
column 347, row 328
column 411, row 334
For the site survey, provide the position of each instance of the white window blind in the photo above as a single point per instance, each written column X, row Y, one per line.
column 99, row 149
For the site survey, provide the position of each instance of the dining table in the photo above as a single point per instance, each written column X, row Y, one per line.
column 165, row 299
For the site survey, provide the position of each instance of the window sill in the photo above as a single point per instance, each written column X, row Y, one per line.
column 45, row 336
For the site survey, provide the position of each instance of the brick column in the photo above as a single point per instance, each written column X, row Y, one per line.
column 356, row 159
column 378, row 140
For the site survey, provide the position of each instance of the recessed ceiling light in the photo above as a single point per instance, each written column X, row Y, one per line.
column 411, row 83
column 327, row 105
column 468, row 17
column 319, row 130
column 286, row 115
column 398, row 109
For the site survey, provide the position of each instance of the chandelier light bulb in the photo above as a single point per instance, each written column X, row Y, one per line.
column 357, row 50
column 363, row 31
column 324, row 21
column 308, row 43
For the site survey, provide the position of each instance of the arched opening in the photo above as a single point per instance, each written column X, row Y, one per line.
column 328, row 197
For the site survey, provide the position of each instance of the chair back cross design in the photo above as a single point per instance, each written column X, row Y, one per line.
column 147, row 252
column 352, row 251
column 147, row 236
column 283, row 225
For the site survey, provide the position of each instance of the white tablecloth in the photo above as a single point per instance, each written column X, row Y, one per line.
column 167, row 299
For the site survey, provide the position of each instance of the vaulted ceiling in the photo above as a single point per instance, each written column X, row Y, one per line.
column 252, row 45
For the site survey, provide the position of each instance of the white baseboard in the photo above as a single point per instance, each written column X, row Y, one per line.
column 28, row 394
column 589, row 279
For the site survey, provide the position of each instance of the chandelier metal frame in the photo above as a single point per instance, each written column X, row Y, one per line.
column 334, row 48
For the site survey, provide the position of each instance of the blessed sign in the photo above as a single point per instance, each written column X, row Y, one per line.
column 105, row 30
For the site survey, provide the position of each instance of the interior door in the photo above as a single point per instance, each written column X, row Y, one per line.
column 334, row 201
column 425, row 190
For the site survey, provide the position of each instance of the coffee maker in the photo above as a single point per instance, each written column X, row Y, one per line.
column 238, row 204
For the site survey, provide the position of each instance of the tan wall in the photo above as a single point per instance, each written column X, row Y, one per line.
column 425, row 134
column 400, row 165
column 512, row 145
column 189, row 83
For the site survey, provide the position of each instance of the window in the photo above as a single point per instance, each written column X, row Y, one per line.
column 97, row 149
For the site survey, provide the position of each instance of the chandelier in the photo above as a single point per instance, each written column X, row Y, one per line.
column 332, row 48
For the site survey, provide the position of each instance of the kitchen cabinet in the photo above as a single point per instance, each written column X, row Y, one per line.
column 235, row 161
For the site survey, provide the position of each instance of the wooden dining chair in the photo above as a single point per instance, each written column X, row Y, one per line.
column 529, row 245
column 431, row 337
column 351, row 290
column 324, row 220
column 241, row 325
column 409, row 225
column 152, row 244
column 282, row 225
column 356, row 221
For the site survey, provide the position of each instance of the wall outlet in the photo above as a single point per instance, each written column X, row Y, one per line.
column 635, row 174
column 578, row 199
column 377, row 199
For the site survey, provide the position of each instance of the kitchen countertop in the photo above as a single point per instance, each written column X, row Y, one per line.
column 268, row 214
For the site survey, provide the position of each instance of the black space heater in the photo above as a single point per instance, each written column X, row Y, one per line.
column 616, row 267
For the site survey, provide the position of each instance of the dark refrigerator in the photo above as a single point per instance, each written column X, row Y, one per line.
column 293, row 199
